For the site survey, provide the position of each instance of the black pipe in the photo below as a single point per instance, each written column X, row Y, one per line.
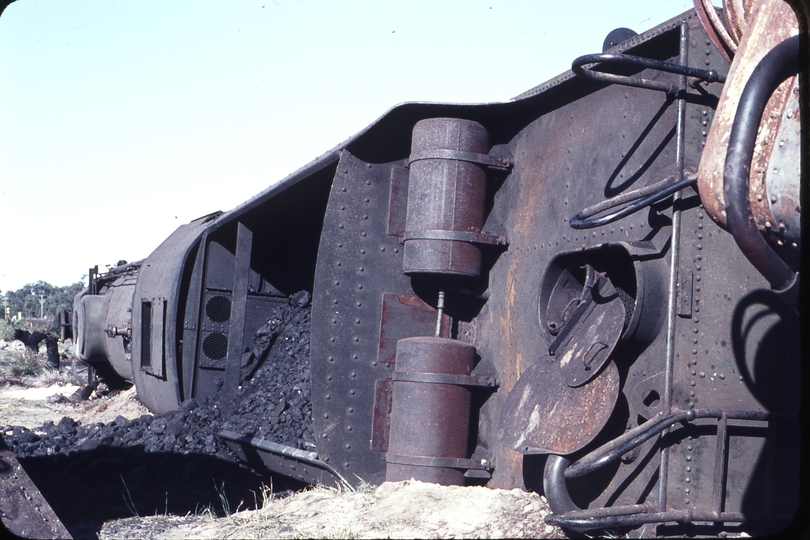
column 639, row 199
column 581, row 522
column 668, row 67
column 619, row 446
column 779, row 64
column 613, row 450
column 554, row 485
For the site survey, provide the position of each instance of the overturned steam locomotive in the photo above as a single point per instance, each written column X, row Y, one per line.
column 589, row 290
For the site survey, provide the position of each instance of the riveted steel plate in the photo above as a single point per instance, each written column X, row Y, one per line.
column 783, row 174
column 23, row 509
column 358, row 262
column 406, row 315
column 737, row 365
column 580, row 152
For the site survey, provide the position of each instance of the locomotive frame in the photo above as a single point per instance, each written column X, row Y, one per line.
column 525, row 294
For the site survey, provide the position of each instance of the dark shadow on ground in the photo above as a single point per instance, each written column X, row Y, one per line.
column 88, row 488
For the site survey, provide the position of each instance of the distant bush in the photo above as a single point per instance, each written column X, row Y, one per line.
column 7, row 327
column 26, row 301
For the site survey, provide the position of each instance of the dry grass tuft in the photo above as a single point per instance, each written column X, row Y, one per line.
column 27, row 364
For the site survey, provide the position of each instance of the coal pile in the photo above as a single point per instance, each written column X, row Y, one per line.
column 274, row 403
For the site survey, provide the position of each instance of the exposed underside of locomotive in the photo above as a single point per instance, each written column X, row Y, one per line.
column 541, row 293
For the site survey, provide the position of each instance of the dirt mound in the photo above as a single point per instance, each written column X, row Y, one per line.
column 408, row 509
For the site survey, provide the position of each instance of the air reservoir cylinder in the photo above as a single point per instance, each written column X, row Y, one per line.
column 430, row 411
column 446, row 191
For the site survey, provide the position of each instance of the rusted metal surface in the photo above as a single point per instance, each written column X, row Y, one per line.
column 770, row 22
column 736, row 14
column 782, row 174
column 549, row 167
column 543, row 414
column 446, row 196
column 402, row 316
column 23, row 509
column 777, row 66
column 429, row 419
column 785, row 178
column 406, row 315
column 716, row 28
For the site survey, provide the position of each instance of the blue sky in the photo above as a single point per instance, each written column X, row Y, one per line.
column 122, row 120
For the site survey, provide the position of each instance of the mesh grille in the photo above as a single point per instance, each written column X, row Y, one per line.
column 629, row 305
column 218, row 309
column 215, row 346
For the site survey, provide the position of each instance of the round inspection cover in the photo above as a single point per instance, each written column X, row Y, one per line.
column 543, row 414
column 586, row 315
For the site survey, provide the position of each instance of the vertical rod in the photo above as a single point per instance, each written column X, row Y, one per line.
column 91, row 280
column 241, row 283
column 673, row 270
column 720, row 464
column 440, row 307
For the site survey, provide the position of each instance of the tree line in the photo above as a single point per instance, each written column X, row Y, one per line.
column 26, row 301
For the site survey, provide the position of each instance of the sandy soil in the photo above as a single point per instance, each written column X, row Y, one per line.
column 408, row 509
column 31, row 401
column 31, row 407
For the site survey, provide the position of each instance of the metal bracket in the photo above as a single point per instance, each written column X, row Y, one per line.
column 444, row 462
column 459, row 155
column 459, row 236
column 113, row 331
column 568, row 515
column 444, row 378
